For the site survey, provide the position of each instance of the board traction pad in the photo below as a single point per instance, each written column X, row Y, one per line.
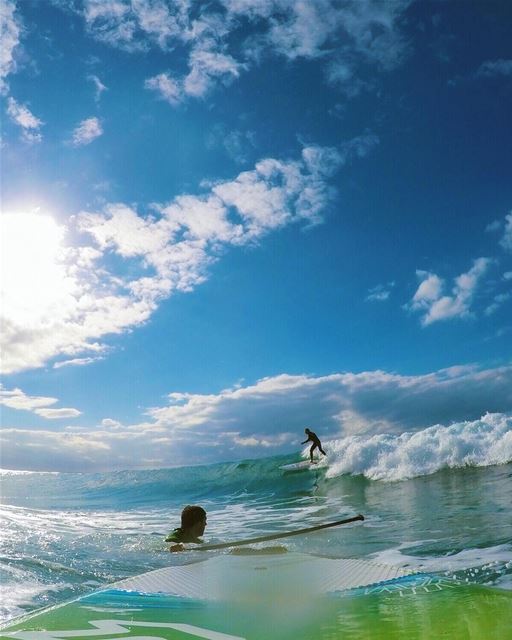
column 206, row 580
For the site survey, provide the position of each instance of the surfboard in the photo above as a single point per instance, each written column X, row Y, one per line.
column 225, row 597
column 304, row 465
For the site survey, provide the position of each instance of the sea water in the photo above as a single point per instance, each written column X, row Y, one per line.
column 63, row 535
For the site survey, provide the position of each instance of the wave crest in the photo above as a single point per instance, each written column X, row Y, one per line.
column 480, row 443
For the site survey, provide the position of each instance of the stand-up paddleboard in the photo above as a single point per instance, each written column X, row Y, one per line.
column 226, row 597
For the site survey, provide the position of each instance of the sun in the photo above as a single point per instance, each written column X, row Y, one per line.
column 34, row 278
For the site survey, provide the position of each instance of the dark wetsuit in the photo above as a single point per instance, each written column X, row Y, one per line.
column 312, row 437
column 178, row 535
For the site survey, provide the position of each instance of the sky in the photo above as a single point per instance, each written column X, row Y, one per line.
column 225, row 221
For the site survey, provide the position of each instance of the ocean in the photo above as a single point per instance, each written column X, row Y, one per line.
column 436, row 500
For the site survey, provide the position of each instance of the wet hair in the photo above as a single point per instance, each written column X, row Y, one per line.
column 306, row 430
column 190, row 515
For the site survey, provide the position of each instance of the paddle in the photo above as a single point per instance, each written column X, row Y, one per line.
column 275, row 536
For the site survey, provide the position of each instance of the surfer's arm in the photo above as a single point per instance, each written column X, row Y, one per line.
column 306, row 441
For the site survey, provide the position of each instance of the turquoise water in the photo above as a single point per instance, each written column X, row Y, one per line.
column 65, row 534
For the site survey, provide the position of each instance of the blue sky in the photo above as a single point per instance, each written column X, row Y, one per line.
column 222, row 222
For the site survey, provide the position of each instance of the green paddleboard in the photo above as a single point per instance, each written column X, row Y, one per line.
column 235, row 597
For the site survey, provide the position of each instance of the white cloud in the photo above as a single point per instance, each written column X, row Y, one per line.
column 342, row 74
column 206, row 67
column 498, row 300
column 58, row 414
column 132, row 26
column 500, row 68
column 366, row 30
column 87, row 131
column 269, row 442
column 503, row 331
column 18, row 400
column 373, row 401
column 430, row 298
column 223, row 40
column 304, row 30
column 24, row 118
column 493, row 68
column 183, row 240
column 380, row 292
column 113, row 23
column 435, row 306
column 506, row 241
column 121, row 227
column 268, row 416
column 108, row 422
column 495, row 225
column 61, row 300
column 238, row 144
column 359, row 147
column 51, row 450
column 428, row 291
column 163, row 21
column 10, row 33
column 377, row 295
column 98, row 86
column 168, row 88
column 76, row 362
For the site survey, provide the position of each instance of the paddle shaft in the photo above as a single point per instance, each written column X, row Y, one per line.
column 276, row 536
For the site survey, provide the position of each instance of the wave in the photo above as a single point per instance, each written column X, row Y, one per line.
column 151, row 487
column 387, row 457
column 478, row 443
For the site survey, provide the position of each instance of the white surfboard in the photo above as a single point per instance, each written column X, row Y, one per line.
column 304, row 465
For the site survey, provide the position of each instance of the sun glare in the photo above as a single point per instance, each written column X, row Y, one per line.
column 33, row 273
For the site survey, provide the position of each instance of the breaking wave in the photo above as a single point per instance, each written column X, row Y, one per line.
column 478, row 443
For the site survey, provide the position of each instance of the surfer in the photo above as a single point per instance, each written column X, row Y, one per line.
column 312, row 437
column 193, row 524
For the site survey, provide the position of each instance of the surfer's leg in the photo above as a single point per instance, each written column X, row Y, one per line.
column 313, row 447
column 322, row 451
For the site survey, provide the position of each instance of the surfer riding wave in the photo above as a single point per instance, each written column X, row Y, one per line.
column 312, row 437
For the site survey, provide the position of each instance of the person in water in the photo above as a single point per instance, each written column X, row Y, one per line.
column 312, row 437
column 193, row 524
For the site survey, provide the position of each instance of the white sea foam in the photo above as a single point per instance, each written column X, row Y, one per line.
column 500, row 554
column 489, row 566
column 17, row 472
column 480, row 443
column 19, row 591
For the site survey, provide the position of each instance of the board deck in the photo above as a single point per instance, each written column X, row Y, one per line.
column 231, row 578
column 217, row 598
